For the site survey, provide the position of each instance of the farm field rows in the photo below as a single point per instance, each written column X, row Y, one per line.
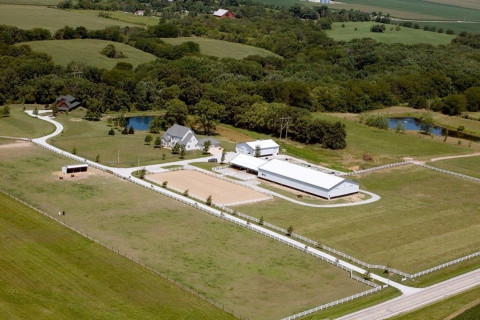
column 355, row 30
column 29, row 17
column 87, row 51
column 414, row 226
column 244, row 271
column 52, row 272
column 222, row 49
column 31, row 2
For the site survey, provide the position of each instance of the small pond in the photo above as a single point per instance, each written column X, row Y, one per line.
column 140, row 123
column 412, row 124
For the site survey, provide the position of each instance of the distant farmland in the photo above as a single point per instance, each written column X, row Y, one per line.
column 88, row 52
column 29, row 17
column 222, row 49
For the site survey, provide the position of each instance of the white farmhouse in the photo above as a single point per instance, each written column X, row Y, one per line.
column 181, row 135
column 267, row 147
column 306, row 179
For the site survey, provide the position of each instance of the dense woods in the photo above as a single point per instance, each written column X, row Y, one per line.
column 313, row 72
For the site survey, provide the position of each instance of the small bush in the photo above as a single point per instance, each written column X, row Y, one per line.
column 164, row 184
column 378, row 28
column 209, row 200
column 377, row 121
column 111, row 132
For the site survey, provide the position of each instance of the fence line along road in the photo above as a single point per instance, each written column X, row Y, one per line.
column 386, row 166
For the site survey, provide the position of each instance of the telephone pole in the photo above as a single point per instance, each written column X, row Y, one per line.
column 284, row 122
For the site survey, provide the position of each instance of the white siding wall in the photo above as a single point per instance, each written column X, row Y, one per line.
column 344, row 188
column 246, row 149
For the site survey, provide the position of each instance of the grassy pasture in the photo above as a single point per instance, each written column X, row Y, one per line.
column 443, row 309
column 51, row 272
column 29, row 17
column 419, row 222
column 21, row 125
column 31, row 2
column 222, row 49
column 246, row 272
column 125, row 17
column 91, row 139
column 469, row 166
column 88, row 51
column 472, row 4
column 404, row 35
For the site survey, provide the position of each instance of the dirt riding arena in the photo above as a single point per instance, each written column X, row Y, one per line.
column 201, row 185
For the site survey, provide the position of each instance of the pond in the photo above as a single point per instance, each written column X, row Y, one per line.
column 140, row 123
column 412, row 124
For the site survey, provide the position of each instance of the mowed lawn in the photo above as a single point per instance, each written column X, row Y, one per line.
column 88, row 51
column 424, row 218
column 50, row 272
column 469, row 165
column 255, row 276
column 359, row 30
column 21, row 125
column 222, row 49
column 29, row 17
column 91, row 138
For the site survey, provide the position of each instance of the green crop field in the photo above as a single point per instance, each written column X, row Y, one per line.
column 357, row 30
column 246, row 272
column 51, row 272
column 222, row 49
column 472, row 4
column 443, row 309
column 125, row 17
column 418, row 223
column 88, row 51
column 29, row 17
column 21, row 125
column 469, row 165
column 415, row 7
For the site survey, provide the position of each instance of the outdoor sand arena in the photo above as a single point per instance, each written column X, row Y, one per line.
column 201, row 185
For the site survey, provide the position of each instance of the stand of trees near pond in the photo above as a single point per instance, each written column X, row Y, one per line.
column 310, row 73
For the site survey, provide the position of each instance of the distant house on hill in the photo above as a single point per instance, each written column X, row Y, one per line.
column 223, row 13
column 67, row 103
column 139, row 13
column 181, row 135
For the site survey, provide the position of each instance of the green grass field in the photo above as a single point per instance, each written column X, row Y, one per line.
column 88, row 51
column 21, row 125
column 358, row 30
column 418, row 223
column 51, row 272
column 125, row 17
column 469, row 166
column 29, row 17
column 222, row 49
column 443, row 309
column 246, row 272
column 31, row 2
column 91, row 139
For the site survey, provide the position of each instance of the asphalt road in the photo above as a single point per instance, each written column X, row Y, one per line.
column 426, row 296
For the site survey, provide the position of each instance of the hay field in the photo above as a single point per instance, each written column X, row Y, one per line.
column 358, row 30
column 29, row 17
column 49, row 271
column 257, row 277
column 222, row 49
column 424, row 218
column 201, row 186
column 87, row 51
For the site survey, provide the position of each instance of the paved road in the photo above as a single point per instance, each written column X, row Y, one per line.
column 426, row 296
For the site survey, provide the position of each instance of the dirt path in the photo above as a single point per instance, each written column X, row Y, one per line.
column 455, row 157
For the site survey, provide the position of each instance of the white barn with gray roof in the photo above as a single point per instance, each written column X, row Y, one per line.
column 266, row 147
column 306, row 179
column 181, row 135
